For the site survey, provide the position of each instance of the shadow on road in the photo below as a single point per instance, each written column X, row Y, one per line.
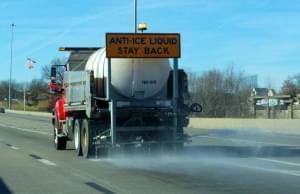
column 244, row 151
column 4, row 188
column 99, row 188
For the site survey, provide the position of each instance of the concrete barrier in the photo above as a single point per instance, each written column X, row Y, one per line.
column 286, row 126
column 42, row 114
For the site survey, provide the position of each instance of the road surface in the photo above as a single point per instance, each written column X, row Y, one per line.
column 215, row 162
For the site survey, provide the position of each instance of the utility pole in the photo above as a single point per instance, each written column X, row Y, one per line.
column 11, row 63
column 24, row 96
column 135, row 15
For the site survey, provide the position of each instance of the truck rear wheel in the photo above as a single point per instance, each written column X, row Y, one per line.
column 88, row 149
column 77, row 136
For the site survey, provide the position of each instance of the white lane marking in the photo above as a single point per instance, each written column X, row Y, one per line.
column 14, row 148
column 244, row 140
column 279, row 161
column 32, row 131
column 285, row 172
column 47, row 162
column 26, row 130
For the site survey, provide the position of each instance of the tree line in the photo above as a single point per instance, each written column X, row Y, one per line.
column 226, row 93
column 33, row 88
column 291, row 86
column 222, row 93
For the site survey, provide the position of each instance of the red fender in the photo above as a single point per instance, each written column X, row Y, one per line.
column 60, row 109
column 60, row 113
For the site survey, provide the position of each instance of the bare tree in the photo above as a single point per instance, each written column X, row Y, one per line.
column 291, row 86
column 221, row 93
column 46, row 70
column 37, row 87
column 16, row 88
column 207, row 91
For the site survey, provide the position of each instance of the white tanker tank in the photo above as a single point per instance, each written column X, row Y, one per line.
column 133, row 78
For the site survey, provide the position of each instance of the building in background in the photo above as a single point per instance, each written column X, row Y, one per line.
column 267, row 104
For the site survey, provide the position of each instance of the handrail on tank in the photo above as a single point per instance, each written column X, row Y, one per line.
column 79, row 48
column 98, row 98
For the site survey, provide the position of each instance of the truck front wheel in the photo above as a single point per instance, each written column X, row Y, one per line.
column 60, row 143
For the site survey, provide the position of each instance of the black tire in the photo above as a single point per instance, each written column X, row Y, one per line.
column 60, row 143
column 77, row 137
column 88, row 149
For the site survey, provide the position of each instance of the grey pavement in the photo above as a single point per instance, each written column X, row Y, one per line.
column 225, row 161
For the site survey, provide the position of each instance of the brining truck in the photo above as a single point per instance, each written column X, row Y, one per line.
column 124, row 95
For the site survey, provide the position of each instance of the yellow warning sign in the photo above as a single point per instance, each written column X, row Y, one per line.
column 142, row 45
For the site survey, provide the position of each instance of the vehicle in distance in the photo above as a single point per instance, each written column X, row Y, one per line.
column 2, row 110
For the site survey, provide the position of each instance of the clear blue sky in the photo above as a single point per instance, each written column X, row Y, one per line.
column 258, row 36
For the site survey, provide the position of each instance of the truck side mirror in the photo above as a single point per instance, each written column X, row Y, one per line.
column 196, row 108
column 53, row 73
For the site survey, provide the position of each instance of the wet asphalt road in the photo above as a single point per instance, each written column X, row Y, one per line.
column 215, row 162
